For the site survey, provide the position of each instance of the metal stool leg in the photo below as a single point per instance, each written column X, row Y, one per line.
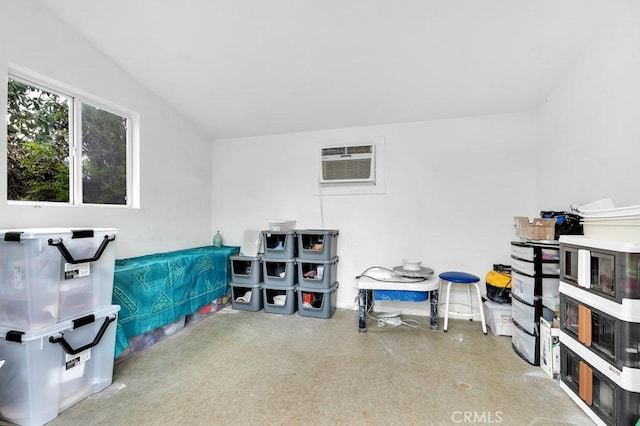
column 469, row 302
column 446, row 307
column 484, row 324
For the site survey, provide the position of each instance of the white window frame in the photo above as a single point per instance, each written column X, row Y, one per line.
column 76, row 98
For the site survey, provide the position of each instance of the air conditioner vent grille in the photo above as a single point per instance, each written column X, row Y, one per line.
column 341, row 170
column 348, row 164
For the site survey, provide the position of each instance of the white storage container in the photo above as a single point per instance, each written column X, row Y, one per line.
column 48, row 370
column 498, row 317
column 524, row 287
column 524, row 252
column 48, row 275
column 529, row 267
column 526, row 345
column 526, row 316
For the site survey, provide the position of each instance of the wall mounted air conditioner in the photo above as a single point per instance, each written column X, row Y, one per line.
column 348, row 164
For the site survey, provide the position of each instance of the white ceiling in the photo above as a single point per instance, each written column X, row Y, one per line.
column 256, row 67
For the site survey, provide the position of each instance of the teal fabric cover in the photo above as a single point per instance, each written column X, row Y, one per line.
column 157, row 289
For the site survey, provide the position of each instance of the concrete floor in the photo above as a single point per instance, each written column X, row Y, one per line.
column 238, row 367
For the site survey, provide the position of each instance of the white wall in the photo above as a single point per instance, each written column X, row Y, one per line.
column 452, row 189
column 175, row 171
column 589, row 126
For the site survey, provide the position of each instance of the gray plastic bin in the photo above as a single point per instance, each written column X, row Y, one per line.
column 281, row 272
column 271, row 295
column 317, row 273
column 242, row 301
column 279, row 244
column 317, row 303
column 245, row 269
column 317, row 243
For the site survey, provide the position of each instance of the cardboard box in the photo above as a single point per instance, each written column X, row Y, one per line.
column 550, row 347
column 538, row 229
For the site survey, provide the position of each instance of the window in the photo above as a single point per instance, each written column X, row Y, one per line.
column 62, row 148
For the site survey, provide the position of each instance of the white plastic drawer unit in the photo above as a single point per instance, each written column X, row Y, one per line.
column 607, row 268
column 530, row 268
column 526, row 316
column 528, row 288
column 526, row 345
column 533, row 251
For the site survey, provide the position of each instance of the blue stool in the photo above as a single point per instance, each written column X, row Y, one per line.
column 468, row 280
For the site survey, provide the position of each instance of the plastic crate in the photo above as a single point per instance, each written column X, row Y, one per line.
column 246, row 297
column 271, row 294
column 48, row 275
column 281, row 272
column 317, row 303
column 317, row 243
column 317, row 273
column 279, row 245
column 246, row 269
column 49, row 370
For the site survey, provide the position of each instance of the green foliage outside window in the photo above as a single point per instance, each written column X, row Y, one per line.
column 38, row 149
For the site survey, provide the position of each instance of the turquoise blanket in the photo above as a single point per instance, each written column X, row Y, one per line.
column 157, row 289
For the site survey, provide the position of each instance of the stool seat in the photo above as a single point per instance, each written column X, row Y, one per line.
column 450, row 278
column 459, row 277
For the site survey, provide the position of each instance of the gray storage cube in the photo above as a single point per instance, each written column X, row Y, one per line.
column 279, row 245
column 280, row 272
column 272, row 294
column 318, row 303
column 317, row 273
column 317, row 243
column 245, row 269
column 239, row 297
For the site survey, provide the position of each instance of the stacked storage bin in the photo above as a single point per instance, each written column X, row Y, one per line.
column 317, row 272
column 279, row 272
column 600, row 327
column 57, row 324
column 535, row 277
column 246, row 283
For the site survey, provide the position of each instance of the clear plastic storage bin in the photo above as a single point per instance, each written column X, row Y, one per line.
column 526, row 316
column 527, row 288
column 498, row 317
column 526, row 345
column 48, row 275
column 529, row 268
column 49, row 370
